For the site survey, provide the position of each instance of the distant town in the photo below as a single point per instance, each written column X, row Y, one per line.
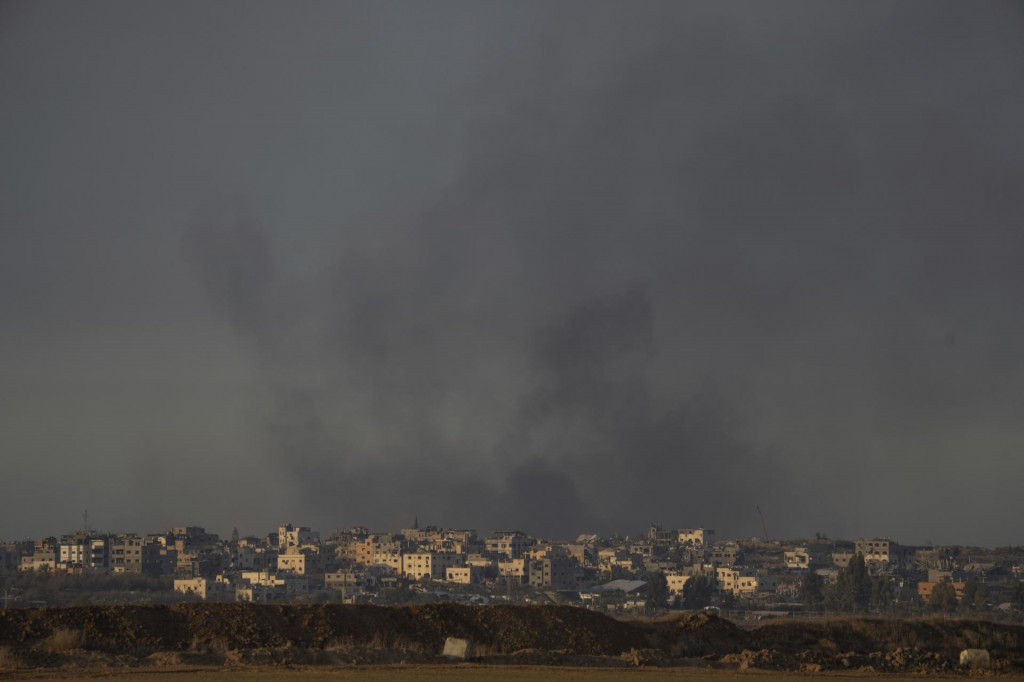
column 663, row 569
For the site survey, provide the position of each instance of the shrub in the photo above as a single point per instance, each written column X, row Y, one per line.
column 63, row 640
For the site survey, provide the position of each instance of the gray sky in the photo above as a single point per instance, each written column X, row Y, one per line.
column 567, row 267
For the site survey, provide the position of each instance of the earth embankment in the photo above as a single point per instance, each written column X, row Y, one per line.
column 179, row 627
column 244, row 633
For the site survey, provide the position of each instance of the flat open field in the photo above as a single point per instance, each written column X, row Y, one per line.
column 464, row 673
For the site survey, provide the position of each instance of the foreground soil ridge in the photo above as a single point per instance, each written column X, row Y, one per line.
column 244, row 634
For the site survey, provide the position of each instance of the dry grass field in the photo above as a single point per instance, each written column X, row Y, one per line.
column 461, row 673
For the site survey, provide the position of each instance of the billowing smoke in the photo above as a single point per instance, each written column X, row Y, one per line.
column 568, row 268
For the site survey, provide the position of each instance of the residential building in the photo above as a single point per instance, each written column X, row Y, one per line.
column 510, row 543
column 431, row 565
column 292, row 537
column 389, row 557
column 924, row 589
column 39, row 560
column 512, row 568
column 728, row 579
column 884, row 552
column 219, row 589
column 657, row 534
column 464, row 575
column 728, row 554
column 552, row 571
column 676, row 583
column 696, row 537
column 842, row 558
column 292, row 563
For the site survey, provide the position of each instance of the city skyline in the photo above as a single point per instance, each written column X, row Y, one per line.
column 762, row 534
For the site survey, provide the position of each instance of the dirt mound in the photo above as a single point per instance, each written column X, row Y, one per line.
column 246, row 634
column 910, row 644
column 695, row 635
column 182, row 627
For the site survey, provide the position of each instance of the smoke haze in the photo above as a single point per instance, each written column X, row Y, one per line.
column 569, row 267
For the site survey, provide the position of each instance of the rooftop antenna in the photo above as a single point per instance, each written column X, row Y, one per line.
column 764, row 526
column 85, row 520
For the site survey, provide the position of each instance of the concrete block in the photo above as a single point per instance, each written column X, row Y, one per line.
column 457, row 648
column 975, row 658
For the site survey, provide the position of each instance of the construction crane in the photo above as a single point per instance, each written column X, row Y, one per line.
column 764, row 526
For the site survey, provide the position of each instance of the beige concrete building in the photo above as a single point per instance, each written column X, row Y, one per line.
column 464, row 575
column 39, row 560
column 74, row 552
column 194, row 535
column 728, row 579
column 552, row 571
column 343, row 580
column 289, row 537
column 219, row 589
column 884, row 552
column 418, row 565
column 250, row 558
column 259, row 594
column 512, row 568
column 841, row 558
column 579, row 551
column 697, row 537
column 425, row 534
column 726, row 554
column 676, row 583
column 367, row 549
column 657, row 534
column 749, row 585
column 391, row 558
column 288, row 585
column 292, row 563
column 126, row 555
column 432, row 565
column 485, row 562
column 745, row 584
column 798, row 558
column 512, row 543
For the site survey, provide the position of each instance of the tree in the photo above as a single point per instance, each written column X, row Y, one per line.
column 943, row 598
column 1018, row 596
column 859, row 583
column 810, row 592
column 851, row 592
column 697, row 592
column 981, row 598
column 832, row 597
column 975, row 597
column 657, row 589
column 970, row 592
column 881, row 593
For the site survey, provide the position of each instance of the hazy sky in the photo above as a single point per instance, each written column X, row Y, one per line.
column 559, row 266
